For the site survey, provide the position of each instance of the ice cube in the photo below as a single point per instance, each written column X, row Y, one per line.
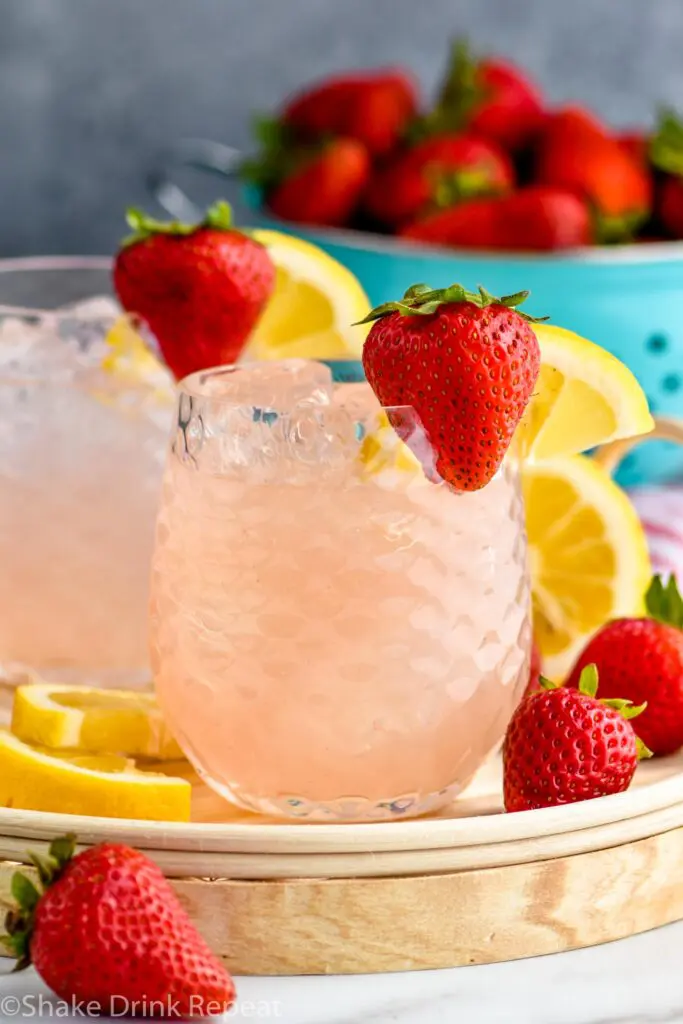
column 28, row 348
column 267, row 387
column 266, row 421
column 97, row 307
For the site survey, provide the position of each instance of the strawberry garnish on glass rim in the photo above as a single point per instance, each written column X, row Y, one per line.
column 465, row 363
column 199, row 288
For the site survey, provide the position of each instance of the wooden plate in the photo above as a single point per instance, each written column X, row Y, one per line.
column 472, row 833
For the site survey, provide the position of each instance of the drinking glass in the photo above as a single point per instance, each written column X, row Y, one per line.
column 336, row 634
column 82, row 446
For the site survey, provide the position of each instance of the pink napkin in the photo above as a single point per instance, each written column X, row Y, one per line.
column 661, row 513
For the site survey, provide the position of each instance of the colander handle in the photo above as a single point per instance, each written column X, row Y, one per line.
column 665, row 429
column 199, row 154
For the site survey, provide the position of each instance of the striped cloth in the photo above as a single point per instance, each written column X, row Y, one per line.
column 661, row 513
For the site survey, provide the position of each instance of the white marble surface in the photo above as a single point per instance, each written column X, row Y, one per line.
column 635, row 981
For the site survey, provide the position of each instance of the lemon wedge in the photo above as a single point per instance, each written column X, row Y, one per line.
column 105, row 786
column 584, row 397
column 315, row 304
column 382, row 450
column 92, row 721
column 588, row 556
column 130, row 360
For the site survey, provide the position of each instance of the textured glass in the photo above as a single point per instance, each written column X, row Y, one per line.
column 81, row 459
column 333, row 635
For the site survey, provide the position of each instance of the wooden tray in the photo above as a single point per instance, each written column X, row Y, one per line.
column 470, row 885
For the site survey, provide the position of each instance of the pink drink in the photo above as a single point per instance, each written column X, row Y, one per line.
column 330, row 639
column 82, row 447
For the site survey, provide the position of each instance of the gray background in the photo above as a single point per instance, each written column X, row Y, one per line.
column 92, row 90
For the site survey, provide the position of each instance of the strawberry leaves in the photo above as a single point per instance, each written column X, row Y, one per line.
column 460, row 92
column 423, row 300
column 588, row 681
column 664, row 602
column 19, row 921
column 588, row 686
column 666, row 148
column 280, row 154
column 218, row 216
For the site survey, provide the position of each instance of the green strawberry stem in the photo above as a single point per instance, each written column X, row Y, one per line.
column 611, row 229
column 588, row 685
column 218, row 216
column 456, row 186
column 20, row 919
column 460, row 92
column 664, row 603
column 423, row 300
column 280, row 154
column 666, row 147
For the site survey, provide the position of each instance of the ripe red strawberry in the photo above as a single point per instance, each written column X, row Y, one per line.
column 636, row 144
column 564, row 745
column 323, row 186
column 670, row 205
column 534, row 218
column 642, row 659
column 438, row 171
column 466, row 364
column 106, row 928
column 199, row 287
column 576, row 153
column 475, row 224
column 666, row 153
column 372, row 107
column 489, row 97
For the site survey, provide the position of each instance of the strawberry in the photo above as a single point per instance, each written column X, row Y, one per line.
column 666, row 153
column 465, row 364
column 200, row 288
column 475, row 224
column 437, row 172
column 564, row 745
column 105, row 927
column 642, row 659
column 323, row 186
column 670, row 205
column 533, row 218
column 489, row 97
column 636, row 144
column 372, row 107
column 576, row 153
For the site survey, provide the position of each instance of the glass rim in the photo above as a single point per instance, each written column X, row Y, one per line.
column 46, row 265
column 188, row 385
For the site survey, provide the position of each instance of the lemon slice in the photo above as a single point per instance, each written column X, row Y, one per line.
column 130, row 360
column 587, row 553
column 316, row 301
column 584, row 397
column 382, row 451
column 106, row 787
column 92, row 721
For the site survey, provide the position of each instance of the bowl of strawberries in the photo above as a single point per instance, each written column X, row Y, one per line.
column 488, row 182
